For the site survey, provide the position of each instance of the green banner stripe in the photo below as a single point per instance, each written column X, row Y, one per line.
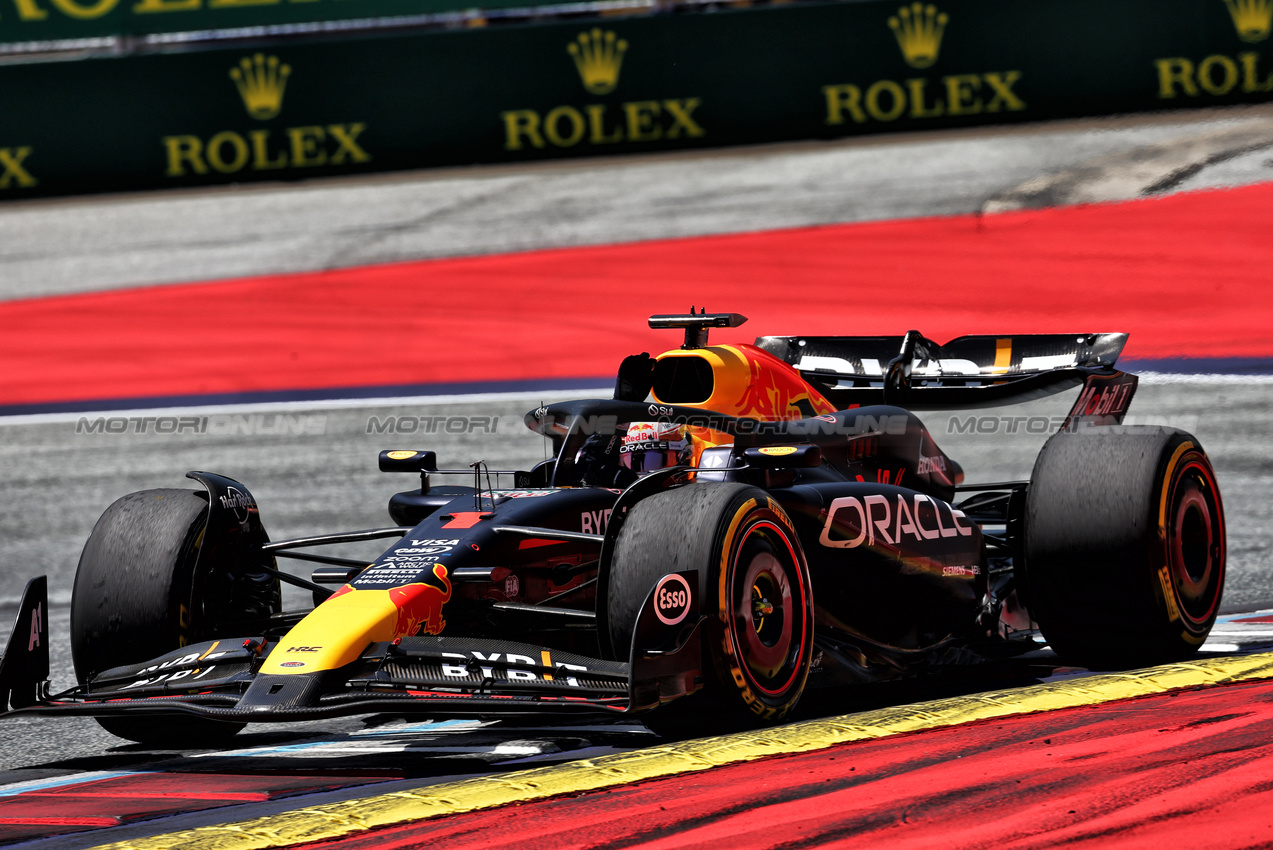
column 309, row 108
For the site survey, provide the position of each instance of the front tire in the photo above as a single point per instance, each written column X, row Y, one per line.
column 1125, row 546
column 134, row 600
column 753, row 581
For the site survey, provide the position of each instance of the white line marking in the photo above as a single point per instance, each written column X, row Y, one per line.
column 63, row 781
column 1200, row 377
column 429, row 726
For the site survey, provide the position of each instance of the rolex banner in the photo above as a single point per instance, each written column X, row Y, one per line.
column 308, row 107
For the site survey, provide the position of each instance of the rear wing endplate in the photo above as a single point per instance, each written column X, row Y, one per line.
column 915, row 372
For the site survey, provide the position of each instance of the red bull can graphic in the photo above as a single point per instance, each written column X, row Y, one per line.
column 420, row 606
column 336, row 632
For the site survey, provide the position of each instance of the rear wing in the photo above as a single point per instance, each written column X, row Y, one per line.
column 915, row 372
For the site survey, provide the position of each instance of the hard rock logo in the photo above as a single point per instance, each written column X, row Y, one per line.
column 598, row 57
column 1252, row 18
column 919, row 31
column 261, row 82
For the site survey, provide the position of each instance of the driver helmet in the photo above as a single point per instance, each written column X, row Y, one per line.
column 648, row 446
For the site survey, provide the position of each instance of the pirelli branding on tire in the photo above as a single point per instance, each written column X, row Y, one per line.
column 298, row 106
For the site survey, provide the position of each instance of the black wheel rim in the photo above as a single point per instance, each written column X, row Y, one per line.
column 1195, row 541
column 767, row 610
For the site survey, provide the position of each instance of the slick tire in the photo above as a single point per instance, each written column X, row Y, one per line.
column 132, row 601
column 1124, row 546
column 753, row 583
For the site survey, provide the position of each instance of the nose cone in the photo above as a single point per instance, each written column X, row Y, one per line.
column 336, row 632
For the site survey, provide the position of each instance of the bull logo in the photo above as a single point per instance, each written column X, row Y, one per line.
column 420, row 605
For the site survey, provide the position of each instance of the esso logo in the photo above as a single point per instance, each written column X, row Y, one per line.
column 672, row 599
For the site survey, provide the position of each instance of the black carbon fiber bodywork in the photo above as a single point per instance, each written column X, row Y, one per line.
column 490, row 595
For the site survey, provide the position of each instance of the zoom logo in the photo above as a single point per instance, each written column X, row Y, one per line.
column 672, row 599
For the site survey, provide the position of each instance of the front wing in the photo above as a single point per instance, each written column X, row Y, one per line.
column 438, row 676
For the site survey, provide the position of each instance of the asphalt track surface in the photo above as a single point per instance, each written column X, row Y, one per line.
column 56, row 482
column 1185, row 275
column 82, row 244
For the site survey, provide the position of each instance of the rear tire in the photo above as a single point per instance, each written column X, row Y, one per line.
column 133, row 600
column 753, row 581
column 1124, row 546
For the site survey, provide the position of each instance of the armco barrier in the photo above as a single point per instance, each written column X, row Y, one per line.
column 302, row 107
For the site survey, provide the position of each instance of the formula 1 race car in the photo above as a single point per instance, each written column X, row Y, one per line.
column 738, row 520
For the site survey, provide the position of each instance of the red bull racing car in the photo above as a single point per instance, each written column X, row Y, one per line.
column 737, row 523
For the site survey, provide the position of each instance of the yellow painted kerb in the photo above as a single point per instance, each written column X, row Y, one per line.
column 336, row 820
